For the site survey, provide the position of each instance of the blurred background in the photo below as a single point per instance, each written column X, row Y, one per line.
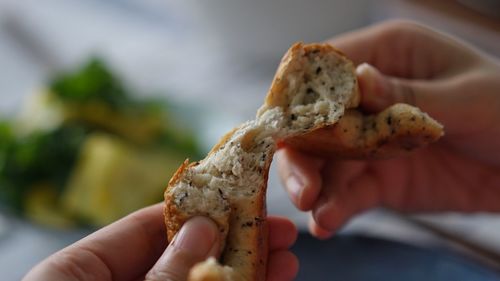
column 101, row 100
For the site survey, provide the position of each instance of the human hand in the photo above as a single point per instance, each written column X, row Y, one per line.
column 133, row 248
column 456, row 84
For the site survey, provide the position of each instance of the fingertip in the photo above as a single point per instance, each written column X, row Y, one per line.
column 300, row 174
column 372, row 87
column 282, row 233
column 363, row 69
column 282, row 266
column 319, row 232
column 329, row 217
column 196, row 240
column 295, row 186
column 330, row 214
column 289, row 228
column 198, row 237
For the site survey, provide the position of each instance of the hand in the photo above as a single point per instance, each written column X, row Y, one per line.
column 133, row 248
column 455, row 84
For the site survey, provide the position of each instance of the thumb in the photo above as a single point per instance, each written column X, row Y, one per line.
column 379, row 91
column 196, row 241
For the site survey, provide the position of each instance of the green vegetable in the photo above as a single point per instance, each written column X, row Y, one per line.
column 92, row 100
column 41, row 157
column 93, row 82
column 8, row 193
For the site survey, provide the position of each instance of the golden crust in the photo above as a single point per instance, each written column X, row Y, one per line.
column 222, row 141
column 173, row 218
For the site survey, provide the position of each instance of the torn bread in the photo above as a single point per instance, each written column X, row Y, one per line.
column 314, row 87
column 393, row 131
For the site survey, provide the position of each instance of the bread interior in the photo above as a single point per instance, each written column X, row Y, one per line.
column 315, row 94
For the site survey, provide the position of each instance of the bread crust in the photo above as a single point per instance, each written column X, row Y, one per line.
column 247, row 216
column 293, row 61
column 243, row 228
column 175, row 218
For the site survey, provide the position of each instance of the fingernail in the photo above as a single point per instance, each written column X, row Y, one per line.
column 372, row 87
column 294, row 186
column 366, row 75
column 369, row 77
column 196, row 236
column 319, row 232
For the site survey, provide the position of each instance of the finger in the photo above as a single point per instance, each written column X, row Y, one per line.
column 404, row 49
column 317, row 231
column 282, row 266
column 337, row 174
column 435, row 98
column 379, row 91
column 196, row 241
column 300, row 174
column 362, row 193
column 336, row 177
column 282, row 233
column 123, row 249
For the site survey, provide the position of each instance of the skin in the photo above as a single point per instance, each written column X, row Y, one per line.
column 135, row 248
column 459, row 86
column 451, row 81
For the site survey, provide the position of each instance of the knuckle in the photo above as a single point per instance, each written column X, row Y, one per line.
column 76, row 266
column 396, row 25
column 404, row 93
column 396, row 29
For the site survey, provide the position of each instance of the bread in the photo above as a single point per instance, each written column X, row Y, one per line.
column 209, row 270
column 315, row 85
column 395, row 130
